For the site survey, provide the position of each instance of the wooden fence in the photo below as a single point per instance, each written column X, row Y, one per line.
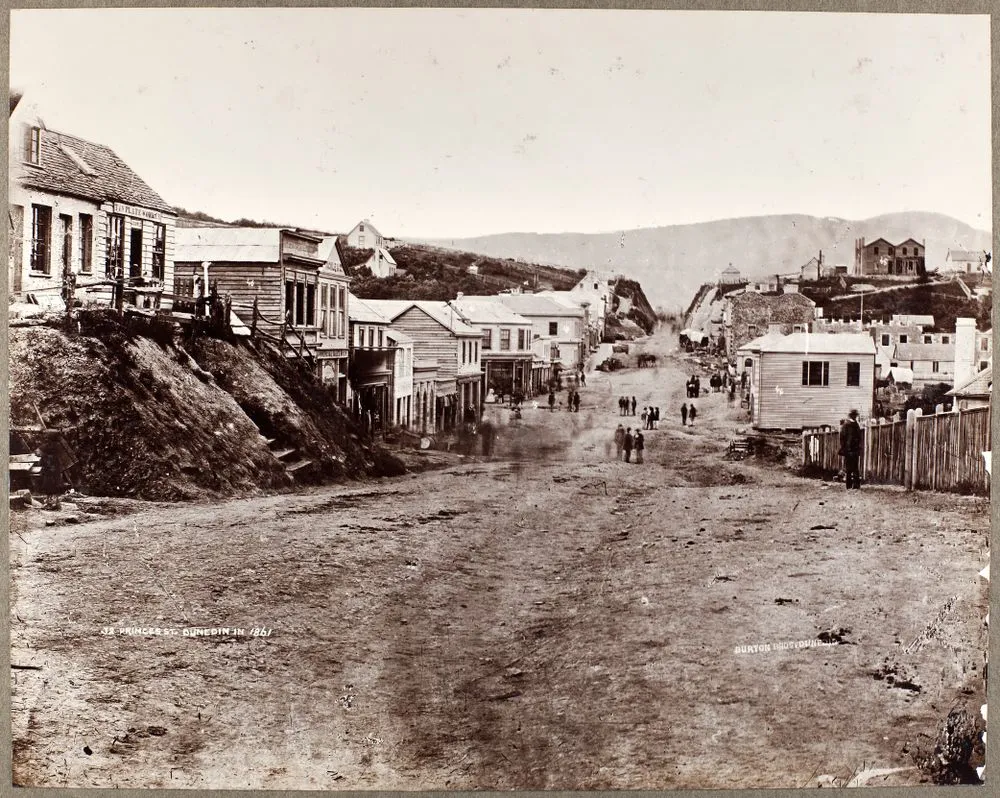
column 942, row 451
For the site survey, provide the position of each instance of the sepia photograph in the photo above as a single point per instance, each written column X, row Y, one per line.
column 497, row 399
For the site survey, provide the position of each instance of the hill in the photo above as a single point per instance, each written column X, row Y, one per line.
column 437, row 273
column 672, row 262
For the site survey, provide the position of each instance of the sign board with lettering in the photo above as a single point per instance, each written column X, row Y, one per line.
column 137, row 212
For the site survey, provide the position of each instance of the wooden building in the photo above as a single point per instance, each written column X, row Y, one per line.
column 506, row 346
column 811, row 379
column 279, row 276
column 907, row 258
column 372, row 368
column 442, row 338
column 79, row 213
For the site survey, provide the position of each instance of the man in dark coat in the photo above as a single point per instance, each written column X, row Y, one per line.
column 639, row 445
column 633, row 405
column 684, row 414
column 850, row 449
column 629, row 441
column 576, row 401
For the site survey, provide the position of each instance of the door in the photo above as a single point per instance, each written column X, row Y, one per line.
column 135, row 253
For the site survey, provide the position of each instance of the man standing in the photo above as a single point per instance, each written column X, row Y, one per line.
column 633, row 405
column 639, row 445
column 684, row 414
column 619, row 441
column 628, row 444
column 552, row 400
column 692, row 412
column 576, row 401
column 850, row 449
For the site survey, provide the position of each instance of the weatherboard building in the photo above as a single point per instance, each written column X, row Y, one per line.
column 78, row 209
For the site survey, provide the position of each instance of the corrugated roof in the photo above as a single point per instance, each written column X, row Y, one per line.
column 938, row 352
column 71, row 165
column 820, row 343
column 538, row 305
column 487, row 312
column 966, row 255
column 361, row 312
column 227, row 244
column 439, row 311
column 979, row 385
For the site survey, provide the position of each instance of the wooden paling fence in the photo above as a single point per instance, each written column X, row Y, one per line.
column 941, row 451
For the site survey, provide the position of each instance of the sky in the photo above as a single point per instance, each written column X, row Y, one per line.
column 455, row 123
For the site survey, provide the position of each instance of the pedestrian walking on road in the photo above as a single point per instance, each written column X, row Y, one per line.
column 619, row 441
column 850, row 449
column 569, row 400
column 656, row 418
column 583, row 379
column 633, row 405
column 697, row 385
column 692, row 412
column 576, row 401
column 639, row 445
column 552, row 401
column 684, row 415
column 629, row 442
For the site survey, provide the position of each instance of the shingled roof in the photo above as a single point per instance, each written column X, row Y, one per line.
column 79, row 168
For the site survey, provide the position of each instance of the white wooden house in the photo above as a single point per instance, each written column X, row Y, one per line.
column 812, row 379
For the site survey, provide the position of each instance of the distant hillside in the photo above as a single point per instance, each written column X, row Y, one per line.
column 435, row 273
column 672, row 262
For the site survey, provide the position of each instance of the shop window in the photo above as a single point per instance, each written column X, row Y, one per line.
column 86, row 243
column 135, row 253
column 41, row 235
column 159, row 251
column 115, row 245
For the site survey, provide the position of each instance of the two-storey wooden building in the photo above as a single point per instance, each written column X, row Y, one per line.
column 79, row 212
column 506, row 345
column 441, row 337
column 279, row 282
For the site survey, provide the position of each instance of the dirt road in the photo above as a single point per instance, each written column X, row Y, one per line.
column 550, row 619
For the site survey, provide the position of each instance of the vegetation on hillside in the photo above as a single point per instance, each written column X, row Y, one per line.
column 945, row 302
column 641, row 312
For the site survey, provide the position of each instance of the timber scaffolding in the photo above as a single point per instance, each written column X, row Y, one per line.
column 942, row 451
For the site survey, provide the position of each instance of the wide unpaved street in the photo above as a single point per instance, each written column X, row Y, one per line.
column 549, row 619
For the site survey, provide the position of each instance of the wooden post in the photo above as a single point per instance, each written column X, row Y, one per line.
column 910, row 449
column 253, row 320
column 959, row 452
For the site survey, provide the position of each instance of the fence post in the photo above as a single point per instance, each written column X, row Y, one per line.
column 253, row 321
column 909, row 448
column 805, row 448
column 959, row 453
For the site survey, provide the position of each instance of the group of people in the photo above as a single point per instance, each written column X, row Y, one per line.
column 650, row 417
column 693, row 387
column 627, row 441
column 626, row 406
column 573, row 401
column 688, row 414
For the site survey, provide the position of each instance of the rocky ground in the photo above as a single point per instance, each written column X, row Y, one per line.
column 550, row 618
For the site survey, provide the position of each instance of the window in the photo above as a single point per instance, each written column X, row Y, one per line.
column 504, row 339
column 892, row 250
column 903, row 339
column 983, row 364
column 984, row 345
column 66, row 234
column 816, row 372
column 371, row 337
column 946, row 339
column 752, row 330
column 159, row 251
column 748, row 363
column 520, row 338
column 875, row 250
column 361, row 242
column 361, row 227
column 381, row 337
column 41, row 234
column 928, row 339
column 475, row 352
column 853, row 375
column 115, row 257
column 135, row 252
column 885, row 339
column 86, row 243
column 487, row 338
column 553, row 328
column 33, row 147
column 935, row 366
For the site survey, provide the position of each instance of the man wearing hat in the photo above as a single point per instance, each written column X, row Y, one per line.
column 850, row 449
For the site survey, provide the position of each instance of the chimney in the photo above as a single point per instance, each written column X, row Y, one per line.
column 965, row 350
